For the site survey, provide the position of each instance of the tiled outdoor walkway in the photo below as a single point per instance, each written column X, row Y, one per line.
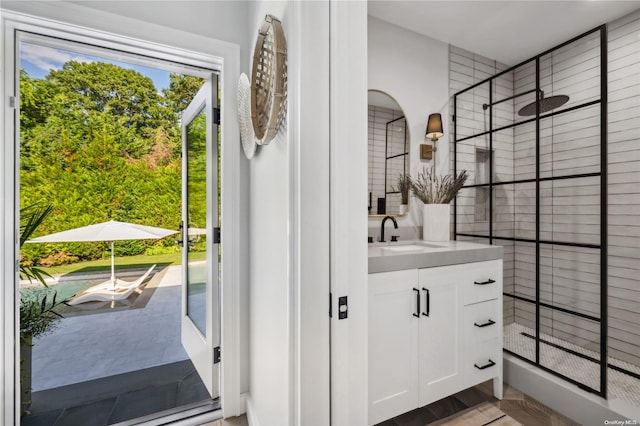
column 88, row 347
column 114, row 399
column 104, row 368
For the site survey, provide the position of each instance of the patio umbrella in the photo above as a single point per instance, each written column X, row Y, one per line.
column 107, row 231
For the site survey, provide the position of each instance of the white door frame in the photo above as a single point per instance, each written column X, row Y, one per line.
column 158, row 42
column 199, row 344
column 348, row 169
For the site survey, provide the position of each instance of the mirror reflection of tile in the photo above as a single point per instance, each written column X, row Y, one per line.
column 387, row 158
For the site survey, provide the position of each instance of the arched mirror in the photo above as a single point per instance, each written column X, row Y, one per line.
column 388, row 156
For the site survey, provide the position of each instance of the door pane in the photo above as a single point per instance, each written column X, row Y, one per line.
column 197, row 209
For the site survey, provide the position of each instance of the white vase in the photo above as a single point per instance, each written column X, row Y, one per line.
column 404, row 208
column 435, row 222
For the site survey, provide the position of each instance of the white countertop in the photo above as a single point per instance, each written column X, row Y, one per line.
column 384, row 257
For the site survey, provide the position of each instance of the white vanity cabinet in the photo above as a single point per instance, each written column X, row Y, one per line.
column 440, row 333
column 433, row 332
column 393, row 343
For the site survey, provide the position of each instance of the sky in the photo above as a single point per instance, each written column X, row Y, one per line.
column 37, row 60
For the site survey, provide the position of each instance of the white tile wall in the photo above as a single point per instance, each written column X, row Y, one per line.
column 466, row 69
column 624, row 187
column 570, row 209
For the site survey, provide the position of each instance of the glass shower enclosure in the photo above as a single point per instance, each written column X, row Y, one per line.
column 534, row 141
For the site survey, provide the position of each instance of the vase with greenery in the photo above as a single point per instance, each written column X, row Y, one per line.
column 404, row 188
column 37, row 309
column 436, row 193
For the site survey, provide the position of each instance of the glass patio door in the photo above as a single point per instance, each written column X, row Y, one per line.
column 200, row 235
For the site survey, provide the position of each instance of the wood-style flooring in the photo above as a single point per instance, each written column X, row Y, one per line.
column 476, row 406
column 472, row 407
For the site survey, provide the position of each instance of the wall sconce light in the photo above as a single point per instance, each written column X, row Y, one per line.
column 434, row 132
column 434, row 127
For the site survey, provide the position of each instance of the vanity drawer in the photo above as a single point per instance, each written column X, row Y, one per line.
column 481, row 321
column 482, row 361
column 482, row 281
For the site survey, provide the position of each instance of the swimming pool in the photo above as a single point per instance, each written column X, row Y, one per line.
column 68, row 288
column 62, row 289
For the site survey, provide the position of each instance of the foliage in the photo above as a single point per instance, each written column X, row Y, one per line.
column 182, row 88
column 432, row 189
column 31, row 217
column 404, row 186
column 59, row 258
column 159, row 249
column 141, row 261
column 98, row 142
column 37, row 314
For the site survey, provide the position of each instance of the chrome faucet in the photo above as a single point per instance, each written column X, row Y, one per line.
column 395, row 225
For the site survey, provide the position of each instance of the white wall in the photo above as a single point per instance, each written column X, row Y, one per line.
column 220, row 19
column 413, row 69
column 349, row 337
column 269, row 288
column 289, row 266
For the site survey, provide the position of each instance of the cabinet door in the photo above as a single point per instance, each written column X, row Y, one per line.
column 393, row 348
column 440, row 333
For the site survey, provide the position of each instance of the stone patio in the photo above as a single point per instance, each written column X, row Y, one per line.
column 92, row 346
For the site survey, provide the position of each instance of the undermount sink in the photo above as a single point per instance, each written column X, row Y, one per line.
column 411, row 247
column 431, row 245
column 408, row 247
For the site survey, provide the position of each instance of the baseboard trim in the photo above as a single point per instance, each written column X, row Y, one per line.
column 564, row 397
column 252, row 419
column 241, row 404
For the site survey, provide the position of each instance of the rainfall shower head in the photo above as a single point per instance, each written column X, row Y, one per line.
column 546, row 104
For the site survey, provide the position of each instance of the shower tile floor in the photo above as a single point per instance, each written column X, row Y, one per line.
column 577, row 367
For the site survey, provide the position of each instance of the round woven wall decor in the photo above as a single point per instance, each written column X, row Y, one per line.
column 247, row 137
column 269, row 80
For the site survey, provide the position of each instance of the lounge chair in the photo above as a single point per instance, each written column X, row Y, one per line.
column 120, row 284
column 106, row 294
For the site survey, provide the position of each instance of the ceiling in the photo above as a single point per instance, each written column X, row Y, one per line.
column 508, row 31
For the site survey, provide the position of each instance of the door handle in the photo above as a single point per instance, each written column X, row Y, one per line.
column 428, row 300
column 489, row 281
column 177, row 241
column 417, row 312
column 486, row 324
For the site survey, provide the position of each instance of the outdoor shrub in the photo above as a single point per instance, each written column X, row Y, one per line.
column 37, row 314
column 59, row 258
column 160, row 249
column 94, row 155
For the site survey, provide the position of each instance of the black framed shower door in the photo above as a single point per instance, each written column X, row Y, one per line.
column 539, row 188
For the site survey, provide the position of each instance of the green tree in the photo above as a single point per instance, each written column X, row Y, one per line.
column 182, row 88
column 130, row 98
column 98, row 142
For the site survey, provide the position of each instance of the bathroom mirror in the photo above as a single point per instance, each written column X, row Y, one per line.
column 388, row 155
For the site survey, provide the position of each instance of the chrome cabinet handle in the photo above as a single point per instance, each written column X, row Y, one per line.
column 486, row 324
